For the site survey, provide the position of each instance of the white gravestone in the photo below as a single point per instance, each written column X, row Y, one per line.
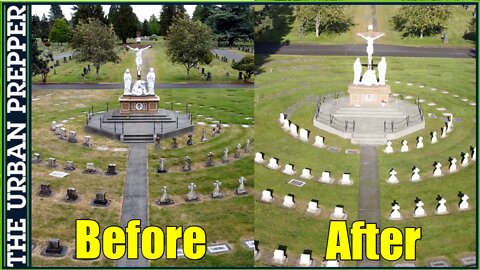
column 404, row 147
column 289, row 169
column 338, row 213
column 382, row 71
column 304, row 134
column 151, row 82
column 281, row 118
column 305, row 260
column 453, row 165
column 288, row 201
column 267, row 196
column 273, row 164
column 346, row 179
column 419, row 142
column 319, row 141
column 286, row 125
column 54, row 124
column 441, row 209
column 463, row 204
column 415, row 176
column 259, row 158
column 395, row 213
column 325, row 178
column 419, row 211
column 279, row 256
column 437, row 172
column 392, row 179
column 449, row 126
column 127, row 79
column 306, row 173
column 434, row 139
column 313, row 208
column 465, row 160
column 294, row 130
column 444, row 133
column 332, row 263
column 388, row 148
column 474, row 153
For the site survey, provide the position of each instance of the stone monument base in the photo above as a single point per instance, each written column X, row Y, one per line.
column 368, row 95
column 138, row 104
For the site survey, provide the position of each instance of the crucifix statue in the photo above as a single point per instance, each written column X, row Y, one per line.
column 370, row 37
column 138, row 57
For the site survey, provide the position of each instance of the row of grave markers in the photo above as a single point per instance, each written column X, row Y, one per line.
column 437, row 171
column 325, row 178
column 70, row 166
column 60, row 130
column 440, row 209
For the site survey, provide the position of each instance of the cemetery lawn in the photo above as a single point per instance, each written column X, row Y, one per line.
column 53, row 218
column 155, row 57
column 290, row 84
column 285, row 28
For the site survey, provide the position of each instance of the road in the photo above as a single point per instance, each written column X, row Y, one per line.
column 118, row 86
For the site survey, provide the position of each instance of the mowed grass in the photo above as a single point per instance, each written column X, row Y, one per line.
column 53, row 218
column 165, row 71
column 286, row 29
column 294, row 82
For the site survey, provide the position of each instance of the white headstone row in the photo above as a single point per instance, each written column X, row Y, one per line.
column 280, row 257
column 297, row 132
column 440, row 209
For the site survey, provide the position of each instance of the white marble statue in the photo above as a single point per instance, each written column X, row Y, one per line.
column 151, row 82
column 139, row 89
column 357, row 71
column 370, row 38
column 127, row 79
column 138, row 56
column 369, row 78
column 382, row 71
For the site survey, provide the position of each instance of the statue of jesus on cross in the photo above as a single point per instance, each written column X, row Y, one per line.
column 370, row 37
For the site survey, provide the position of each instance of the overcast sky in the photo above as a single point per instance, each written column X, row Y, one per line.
column 143, row 11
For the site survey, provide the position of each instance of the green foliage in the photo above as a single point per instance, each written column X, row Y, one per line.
column 246, row 65
column 263, row 22
column 55, row 13
column 208, row 58
column 44, row 27
column 322, row 19
column 84, row 12
column 153, row 25
column 231, row 23
column 36, row 28
column 60, row 31
column 202, row 12
column 168, row 15
column 471, row 33
column 421, row 20
column 124, row 21
column 40, row 61
column 144, row 28
column 188, row 42
column 95, row 42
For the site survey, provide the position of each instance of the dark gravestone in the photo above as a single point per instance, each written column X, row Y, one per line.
column 187, row 164
column 64, row 59
column 57, row 63
column 203, row 70
column 85, row 71
column 111, row 169
column 88, row 67
column 190, row 139
column 36, row 158
column 100, row 200
column 71, row 196
column 69, row 57
column 209, row 160
column 161, row 166
column 70, row 166
column 54, row 248
column 174, row 144
column 45, row 191
column 240, row 75
column 209, row 76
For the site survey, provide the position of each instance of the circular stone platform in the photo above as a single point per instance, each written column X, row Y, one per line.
column 139, row 127
column 368, row 124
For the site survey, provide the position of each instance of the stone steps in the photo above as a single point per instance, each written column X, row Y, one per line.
column 362, row 112
column 148, row 138
column 368, row 139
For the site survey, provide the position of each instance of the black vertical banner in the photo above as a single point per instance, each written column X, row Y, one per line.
column 16, row 138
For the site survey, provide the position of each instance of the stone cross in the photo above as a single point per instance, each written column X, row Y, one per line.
column 247, row 146
column 190, row 139
column 192, row 195
column 463, row 204
column 389, row 148
column 186, row 164
column 419, row 142
column 239, row 151
column 209, row 160
column 174, row 143
column 225, row 156
column 453, row 165
column 438, row 169
column 433, row 140
column 216, row 190
column 465, row 160
column 241, row 187
column 404, row 147
column 415, row 175
column 204, row 136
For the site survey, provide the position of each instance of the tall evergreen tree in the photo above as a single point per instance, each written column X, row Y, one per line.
column 153, row 25
column 231, row 23
column 124, row 21
column 36, row 27
column 144, row 29
column 84, row 12
column 55, row 13
column 45, row 27
column 202, row 12
column 168, row 15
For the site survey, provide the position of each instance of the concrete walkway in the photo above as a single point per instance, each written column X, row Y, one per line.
column 229, row 54
column 118, row 86
column 369, row 195
column 135, row 198
column 359, row 50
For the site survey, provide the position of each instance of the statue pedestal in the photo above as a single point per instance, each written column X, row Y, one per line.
column 368, row 95
column 138, row 104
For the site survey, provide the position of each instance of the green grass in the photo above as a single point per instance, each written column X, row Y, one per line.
column 52, row 218
column 285, row 28
column 289, row 80
column 156, row 57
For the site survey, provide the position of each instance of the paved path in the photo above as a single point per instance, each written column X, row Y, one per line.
column 369, row 195
column 229, row 54
column 61, row 55
column 135, row 197
column 117, row 86
column 359, row 50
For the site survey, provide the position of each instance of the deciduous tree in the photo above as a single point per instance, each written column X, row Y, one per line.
column 60, row 31
column 322, row 19
column 246, row 66
column 421, row 20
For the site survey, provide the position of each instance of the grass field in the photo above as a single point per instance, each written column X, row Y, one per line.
column 285, row 28
column 292, row 83
column 156, row 57
column 53, row 218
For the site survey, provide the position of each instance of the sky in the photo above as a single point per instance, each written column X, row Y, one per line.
column 143, row 11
